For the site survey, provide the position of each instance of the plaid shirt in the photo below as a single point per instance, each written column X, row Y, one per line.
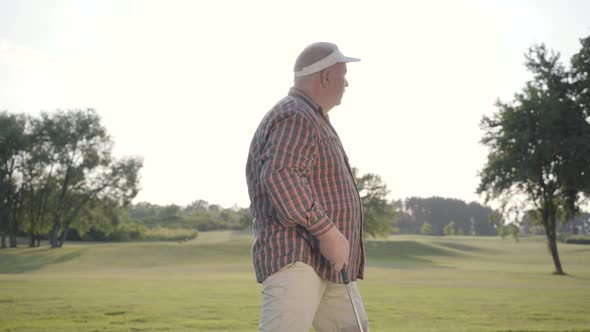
column 300, row 185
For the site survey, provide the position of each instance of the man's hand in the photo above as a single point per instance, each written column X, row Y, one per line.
column 334, row 246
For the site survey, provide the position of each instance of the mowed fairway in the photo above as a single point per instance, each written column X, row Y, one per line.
column 412, row 283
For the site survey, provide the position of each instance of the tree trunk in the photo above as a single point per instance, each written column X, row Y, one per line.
column 53, row 236
column 12, row 229
column 38, row 238
column 32, row 230
column 13, row 242
column 63, row 236
column 2, row 241
column 550, row 230
column 555, row 255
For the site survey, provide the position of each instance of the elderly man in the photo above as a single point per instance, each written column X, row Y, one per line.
column 307, row 209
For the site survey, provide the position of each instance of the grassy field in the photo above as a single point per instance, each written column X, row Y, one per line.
column 413, row 283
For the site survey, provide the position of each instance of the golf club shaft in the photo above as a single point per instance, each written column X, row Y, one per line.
column 350, row 296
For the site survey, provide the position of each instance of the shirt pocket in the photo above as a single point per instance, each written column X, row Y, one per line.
column 329, row 143
column 331, row 157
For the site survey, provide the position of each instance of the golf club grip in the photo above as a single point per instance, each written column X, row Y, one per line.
column 345, row 275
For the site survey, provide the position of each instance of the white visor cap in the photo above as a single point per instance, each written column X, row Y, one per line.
column 332, row 59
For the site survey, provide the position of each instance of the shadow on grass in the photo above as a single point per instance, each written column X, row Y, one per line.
column 573, row 276
column 461, row 247
column 27, row 260
column 404, row 254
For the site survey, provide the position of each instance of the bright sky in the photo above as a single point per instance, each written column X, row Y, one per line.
column 184, row 83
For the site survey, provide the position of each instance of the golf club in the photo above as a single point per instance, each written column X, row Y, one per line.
column 350, row 296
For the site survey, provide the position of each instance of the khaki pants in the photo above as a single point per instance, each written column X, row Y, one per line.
column 295, row 298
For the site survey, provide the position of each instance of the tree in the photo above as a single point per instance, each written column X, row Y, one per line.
column 14, row 144
column 41, row 184
column 508, row 229
column 540, row 145
column 514, row 231
column 379, row 214
column 79, row 150
column 580, row 73
column 449, row 228
column 198, row 205
column 426, row 229
column 531, row 223
column 143, row 210
column 244, row 218
column 503, row 231
column 171, row 211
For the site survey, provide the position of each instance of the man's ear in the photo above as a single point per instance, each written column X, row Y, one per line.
column 324, row 78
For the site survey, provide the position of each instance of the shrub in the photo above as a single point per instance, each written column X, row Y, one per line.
column 449, row 228
column 578, row 239
column 426, row 229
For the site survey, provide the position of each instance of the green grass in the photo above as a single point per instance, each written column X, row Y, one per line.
column 412, row 283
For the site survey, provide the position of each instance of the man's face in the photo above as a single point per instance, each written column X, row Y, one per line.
column 337, row 83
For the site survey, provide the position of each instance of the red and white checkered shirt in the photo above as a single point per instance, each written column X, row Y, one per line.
column 300, row 185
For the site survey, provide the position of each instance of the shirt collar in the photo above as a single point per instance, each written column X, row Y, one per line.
column 294, row 92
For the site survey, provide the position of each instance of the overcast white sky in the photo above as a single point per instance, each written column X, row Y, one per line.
column 184, row 83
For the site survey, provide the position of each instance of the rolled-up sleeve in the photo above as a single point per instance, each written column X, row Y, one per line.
column 288, row 157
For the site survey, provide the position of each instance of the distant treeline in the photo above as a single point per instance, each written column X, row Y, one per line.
column 411, row 217
column 448, row 216
column 146, row 221
column 430, row 216
column 436, row 216
column 59, row 181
